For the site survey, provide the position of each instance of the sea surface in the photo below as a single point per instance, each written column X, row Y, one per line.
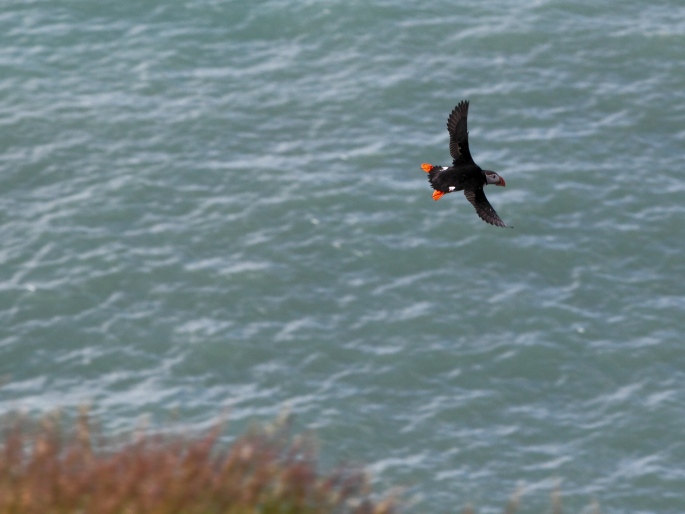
column 217, row 206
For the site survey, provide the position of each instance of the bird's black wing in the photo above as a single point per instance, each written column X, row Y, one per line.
column 459, row 135
column 483, row 207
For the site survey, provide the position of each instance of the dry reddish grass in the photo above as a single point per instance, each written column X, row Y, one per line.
column 45, row 469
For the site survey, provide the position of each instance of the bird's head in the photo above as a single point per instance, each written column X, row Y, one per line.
column 493, row 178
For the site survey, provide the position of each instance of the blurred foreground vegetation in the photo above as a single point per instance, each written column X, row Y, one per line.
column 54, row 467
column 47, row 468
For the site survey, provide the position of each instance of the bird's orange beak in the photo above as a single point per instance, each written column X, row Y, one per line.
column 501, row 182
column 426, row 167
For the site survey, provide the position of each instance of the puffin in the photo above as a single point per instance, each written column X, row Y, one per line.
column 464, row 174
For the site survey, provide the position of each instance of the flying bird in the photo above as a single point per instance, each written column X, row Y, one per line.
column 464, row 174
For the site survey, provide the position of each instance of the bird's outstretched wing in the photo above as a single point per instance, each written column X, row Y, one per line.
column 483, row 207
column 459, row 135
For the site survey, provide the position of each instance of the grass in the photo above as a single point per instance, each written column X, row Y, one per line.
column 47, row 469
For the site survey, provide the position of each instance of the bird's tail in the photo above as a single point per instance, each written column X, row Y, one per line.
column 428, row 168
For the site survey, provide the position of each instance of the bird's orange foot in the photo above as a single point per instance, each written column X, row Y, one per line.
column 427, row 167
column 437, row 195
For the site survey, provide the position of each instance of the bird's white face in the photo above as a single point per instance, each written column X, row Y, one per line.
column 493, row 178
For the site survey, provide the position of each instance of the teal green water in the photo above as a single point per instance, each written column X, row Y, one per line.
column 208, row 205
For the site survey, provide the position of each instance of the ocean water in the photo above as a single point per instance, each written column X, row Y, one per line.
column 211, row 206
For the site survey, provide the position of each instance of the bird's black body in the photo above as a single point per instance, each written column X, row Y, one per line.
column 464, row 174
column 467, row 176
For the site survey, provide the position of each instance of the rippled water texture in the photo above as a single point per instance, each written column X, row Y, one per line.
column 210, row 205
